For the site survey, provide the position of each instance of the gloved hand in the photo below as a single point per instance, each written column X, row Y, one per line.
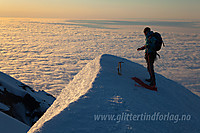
column 142, row 48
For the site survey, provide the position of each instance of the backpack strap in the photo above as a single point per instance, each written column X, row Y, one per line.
column 163, row 44
column 158, row 55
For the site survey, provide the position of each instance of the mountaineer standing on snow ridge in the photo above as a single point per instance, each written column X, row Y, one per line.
column 150, row 54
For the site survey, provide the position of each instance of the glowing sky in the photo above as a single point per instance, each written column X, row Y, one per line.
column 165, row 9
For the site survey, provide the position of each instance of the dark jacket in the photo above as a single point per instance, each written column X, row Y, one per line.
column 150, row 43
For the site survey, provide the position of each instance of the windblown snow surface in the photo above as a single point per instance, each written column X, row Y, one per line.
column 97, row 91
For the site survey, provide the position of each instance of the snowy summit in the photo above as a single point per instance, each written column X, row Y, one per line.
column 99, row 100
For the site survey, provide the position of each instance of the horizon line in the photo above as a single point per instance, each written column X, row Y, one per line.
column 76, row 18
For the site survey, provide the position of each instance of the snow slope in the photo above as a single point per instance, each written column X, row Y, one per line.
column 11, row 125
column 98, row 90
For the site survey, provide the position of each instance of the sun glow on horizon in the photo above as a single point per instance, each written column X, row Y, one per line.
column 103, row 9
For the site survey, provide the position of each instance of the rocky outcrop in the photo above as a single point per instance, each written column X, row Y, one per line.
column 21, row 101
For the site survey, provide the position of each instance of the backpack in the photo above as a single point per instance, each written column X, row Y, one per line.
column 159, row 41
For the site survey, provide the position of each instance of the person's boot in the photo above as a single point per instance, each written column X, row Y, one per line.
column 153, row 83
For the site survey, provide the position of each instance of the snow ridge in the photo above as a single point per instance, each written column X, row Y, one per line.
column 81, row 83
column 98, row 90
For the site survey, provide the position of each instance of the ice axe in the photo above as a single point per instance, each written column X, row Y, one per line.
column 119, row 68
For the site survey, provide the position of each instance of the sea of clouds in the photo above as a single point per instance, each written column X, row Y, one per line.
column 46, row 53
